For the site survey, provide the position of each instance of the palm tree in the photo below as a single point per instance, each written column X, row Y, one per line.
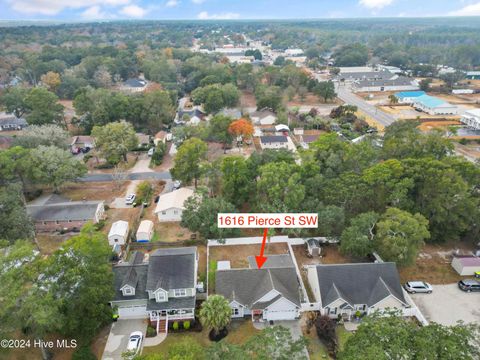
column 215, row 313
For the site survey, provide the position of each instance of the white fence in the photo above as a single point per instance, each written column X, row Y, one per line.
column 257, row 240
column 414, row 310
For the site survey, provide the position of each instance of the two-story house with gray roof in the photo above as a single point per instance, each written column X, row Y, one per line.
column 161, row 288
column 344, row 289
column 270, row 293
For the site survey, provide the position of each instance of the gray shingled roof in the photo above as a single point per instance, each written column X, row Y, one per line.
column 372, row 75
column 172, row 303
column 401, row 81
column 247, row 286
column 359, row 283
column 122, row 275
column 273, row 139
column 74, row 210
column 135, row 82
column 130, row 278
column 12, row 120
column 172, row 268
column 273, row 261
column 136, row 258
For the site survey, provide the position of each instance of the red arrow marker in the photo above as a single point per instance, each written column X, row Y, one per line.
column 261, row 259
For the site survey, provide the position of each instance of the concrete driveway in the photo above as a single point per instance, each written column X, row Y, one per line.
column 448, row 304
column 118, row 338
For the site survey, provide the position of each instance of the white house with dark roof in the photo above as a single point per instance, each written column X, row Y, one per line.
column 273, row 142
column 344, row 289
column 162, row 289
column 134, row 85
column 9, row 122
column 267, row 294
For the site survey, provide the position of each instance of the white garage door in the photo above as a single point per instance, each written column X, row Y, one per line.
column 133, row 312
column 280, row 315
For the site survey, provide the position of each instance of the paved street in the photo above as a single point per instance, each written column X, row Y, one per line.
column 164, row 175
column 345, row 94
column 448, row 304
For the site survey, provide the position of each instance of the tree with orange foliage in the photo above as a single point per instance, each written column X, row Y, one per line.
column 241, row 128
column 51, row 80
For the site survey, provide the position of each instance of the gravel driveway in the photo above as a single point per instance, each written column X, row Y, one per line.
column 448, row 304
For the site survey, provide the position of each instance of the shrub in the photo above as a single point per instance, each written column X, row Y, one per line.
column 463, row 141
column 175, row 325
column 83, row 353
column 326, row 331
column 158, row 154
column 99, row 226
column 151, row 331
column 144, row 192
column 186, row 325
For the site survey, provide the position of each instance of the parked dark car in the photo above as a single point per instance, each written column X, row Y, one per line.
column 156, row 199
column 469, row 285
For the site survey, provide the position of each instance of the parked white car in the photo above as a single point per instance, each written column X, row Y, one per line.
column 134, row 343
column 130, row 199
column 418, row 287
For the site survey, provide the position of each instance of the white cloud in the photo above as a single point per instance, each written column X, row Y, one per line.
column 375, row 4
column 204, row 15
column 94, row 12
column 198, row 1
column 52, row 7
column 172, row 3
column 469, row 10
column 133, row 11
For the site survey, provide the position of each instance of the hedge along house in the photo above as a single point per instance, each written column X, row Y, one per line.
column 162, row 288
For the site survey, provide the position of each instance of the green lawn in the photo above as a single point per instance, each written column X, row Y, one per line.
column 239, row 332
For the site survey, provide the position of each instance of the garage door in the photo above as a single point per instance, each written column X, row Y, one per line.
column 133, row 312
column 280, row 315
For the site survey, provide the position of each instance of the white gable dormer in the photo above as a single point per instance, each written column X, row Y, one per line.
column 128, row 290
column 269, row 296
column 161, row 295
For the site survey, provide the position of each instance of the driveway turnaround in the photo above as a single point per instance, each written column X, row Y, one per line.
column 118, row 338
column 447, row 304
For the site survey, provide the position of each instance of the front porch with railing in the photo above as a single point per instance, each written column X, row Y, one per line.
column 162, row 317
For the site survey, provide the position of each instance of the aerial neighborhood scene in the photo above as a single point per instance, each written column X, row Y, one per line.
column 203, row 179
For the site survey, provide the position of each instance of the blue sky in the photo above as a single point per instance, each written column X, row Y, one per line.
column 231, row 9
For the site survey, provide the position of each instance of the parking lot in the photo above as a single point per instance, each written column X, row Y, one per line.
column 448, row 304
column 118, row 338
